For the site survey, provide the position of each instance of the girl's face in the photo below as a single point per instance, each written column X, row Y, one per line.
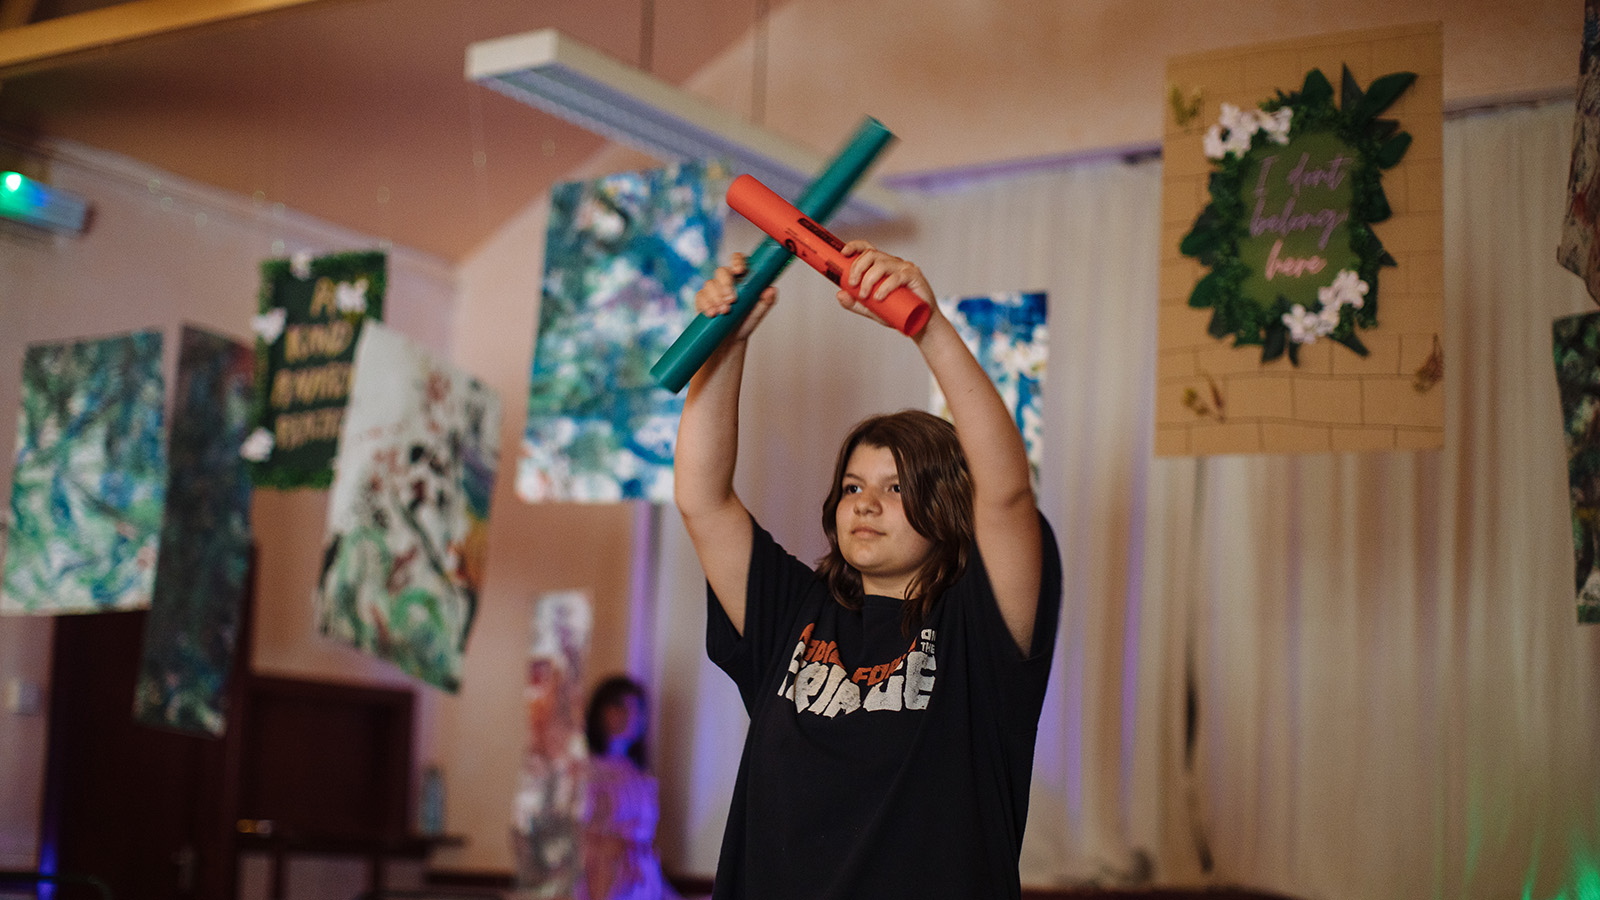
column 624, row 719
column 874, row 535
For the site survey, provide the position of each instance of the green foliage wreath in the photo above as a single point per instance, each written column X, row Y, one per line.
column 1224, row 224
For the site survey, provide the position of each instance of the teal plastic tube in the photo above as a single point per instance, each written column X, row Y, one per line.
column 819, row 201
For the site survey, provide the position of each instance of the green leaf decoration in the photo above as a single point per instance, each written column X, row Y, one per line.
column 1392, row 150
column 1274, row 343
column 1316, row 91
column 1202, row 238
column 1350, row 92
column 1382, row 94
column 1354, row 343
column 1218, row 326
column 1231, row 235
column 1376, row 206
column 1207, row 291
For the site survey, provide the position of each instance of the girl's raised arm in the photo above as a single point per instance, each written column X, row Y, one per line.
column 1005, row 514
column 708, row 447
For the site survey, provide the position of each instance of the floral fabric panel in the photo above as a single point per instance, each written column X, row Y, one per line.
column 312, row 310
column 546, row 835
column 90, row 480
column 1576, row 344
column 408, row 514
column 195, row 611
column 1007, row 334
column 1579, row 249
column 624, row 255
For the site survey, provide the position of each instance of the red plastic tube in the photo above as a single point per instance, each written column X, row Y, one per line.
column 819, row 249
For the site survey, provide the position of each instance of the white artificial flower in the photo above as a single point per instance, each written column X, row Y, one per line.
column 1239, row 140
column 1349, row 287
column 351, row 297
column 1212, row 143
column 1233, row 118
column 258, row 446
column 1276, row 124
column 300, row 264
column 1304, row 327
column 1327, row 320
column 269, row 325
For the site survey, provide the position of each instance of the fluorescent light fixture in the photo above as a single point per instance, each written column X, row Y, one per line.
column 552, row 72
column 31, row 202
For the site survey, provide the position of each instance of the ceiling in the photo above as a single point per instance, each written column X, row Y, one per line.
column 357, row 111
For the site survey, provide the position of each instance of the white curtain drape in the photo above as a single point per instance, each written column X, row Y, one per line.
column 1391, row 698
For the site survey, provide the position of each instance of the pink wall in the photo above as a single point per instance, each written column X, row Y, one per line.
column 961, row 83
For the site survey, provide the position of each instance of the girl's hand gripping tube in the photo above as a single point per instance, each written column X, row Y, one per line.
column 819, row 249
column 820, row 198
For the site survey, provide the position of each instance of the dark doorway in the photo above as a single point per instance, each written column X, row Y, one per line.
column 144, row 810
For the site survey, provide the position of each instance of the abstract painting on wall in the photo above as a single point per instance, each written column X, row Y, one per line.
column 408, row 513
column 1576, row 345
column 195, row 611
column 624, row 256
column 311, row 314
column 546, row 835
column 1008, row 335
column 1579, row 248
column 90, row 481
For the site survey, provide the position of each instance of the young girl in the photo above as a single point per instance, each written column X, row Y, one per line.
column 894, row 691
column 620, row 807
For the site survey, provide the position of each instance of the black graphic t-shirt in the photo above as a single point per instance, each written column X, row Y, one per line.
column 879, row 764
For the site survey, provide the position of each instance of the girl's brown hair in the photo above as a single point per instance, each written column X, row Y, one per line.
column 936, row 492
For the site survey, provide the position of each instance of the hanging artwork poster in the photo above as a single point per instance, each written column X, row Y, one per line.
column 195, row 609
column 1301, row 272
column 547, row 834
column 311, row 316
column 1579, row 249
column 624, row 255
column 1576, row 345
column 90, row 481
column 408, row 514
column 1006, row 333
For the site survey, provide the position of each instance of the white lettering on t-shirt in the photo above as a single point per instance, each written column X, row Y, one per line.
column 919, row 684
column 817, row 681
column 809, row 683
column 835, row 676
column 885, row 695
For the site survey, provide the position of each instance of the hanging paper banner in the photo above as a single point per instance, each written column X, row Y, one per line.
column 311, row 316
column 1006, row 333
column 624, row 255
column 90, row 480
column 1579, row 249
column 1576, row 345
column 408, row 515
column 547, row 835
column 1285, row 230
column 195, row 610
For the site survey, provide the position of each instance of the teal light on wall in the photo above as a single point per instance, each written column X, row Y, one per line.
column 34, row 203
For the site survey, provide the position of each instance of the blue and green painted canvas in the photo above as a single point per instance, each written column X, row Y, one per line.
column 408, row 514
column 1007, row 333
column 90, row 481
column 195, row 612
column 1575, row 342
column 624, row 256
